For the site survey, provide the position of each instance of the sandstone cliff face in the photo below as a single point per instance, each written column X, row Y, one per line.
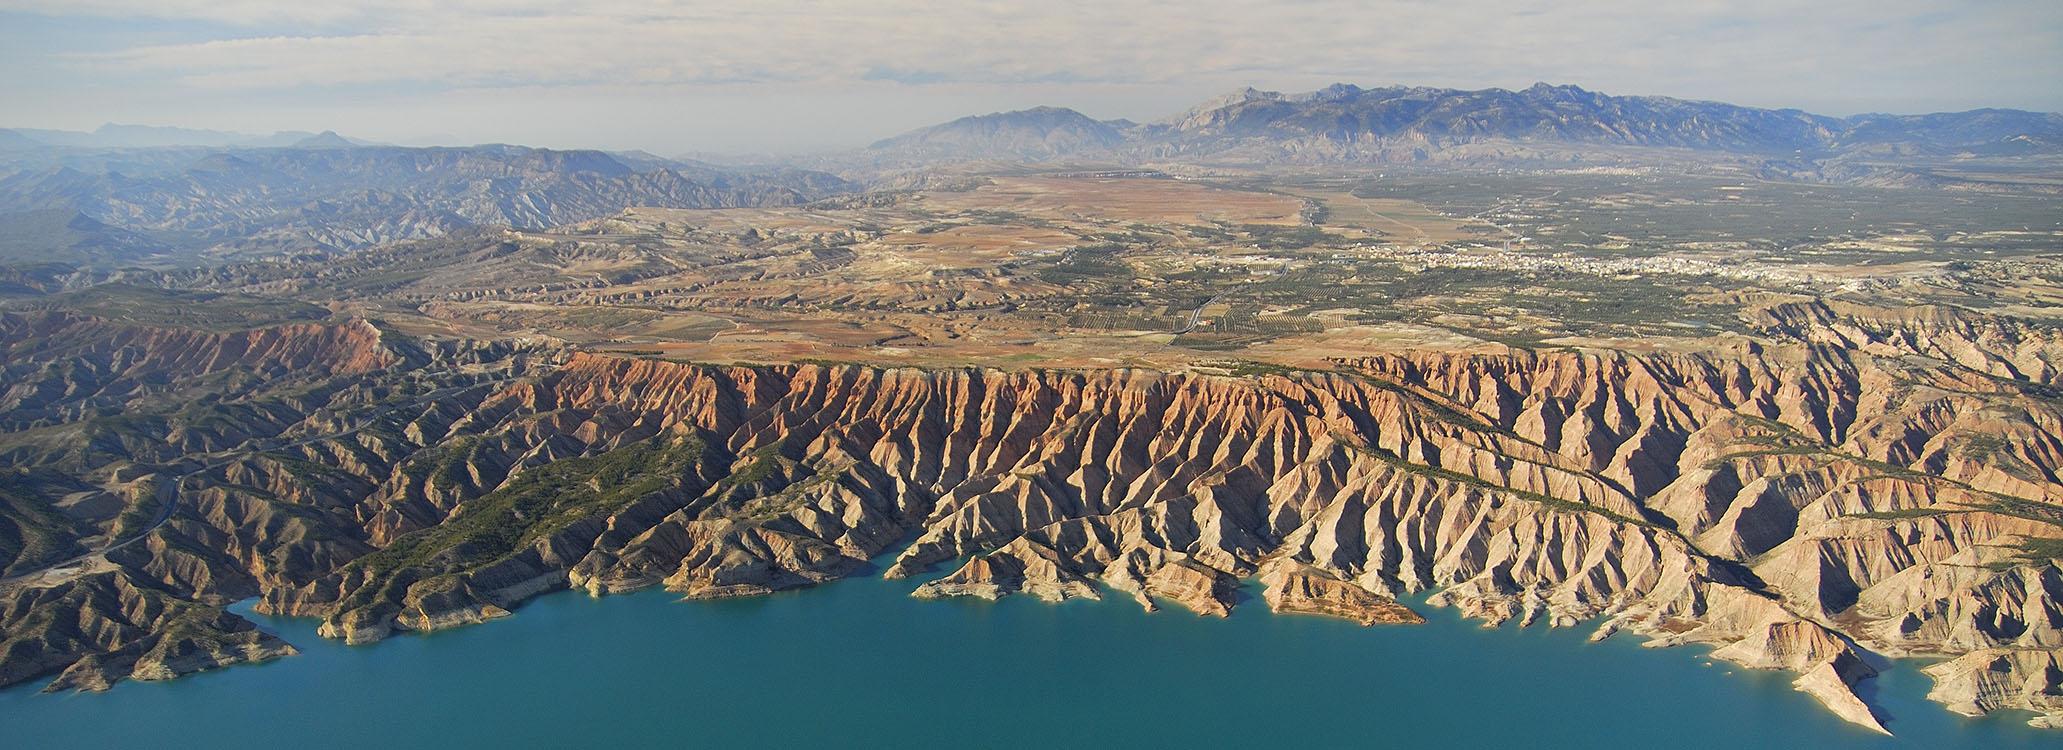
column 1987, row 344
column 124, row 628
column 61, row 365
column 195, row 468
column 1991, row 679
column 1795, row 506
column 1765, row 505
column 1294, row 587
column 1020, row 567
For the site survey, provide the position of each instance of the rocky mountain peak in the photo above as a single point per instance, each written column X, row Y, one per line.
column 324, row 139
column 1039, row 132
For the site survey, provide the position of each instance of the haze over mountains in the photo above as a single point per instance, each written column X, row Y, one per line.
column 1776, row 383
column 113, row 135
column 1371, row 123
column 1540, row 125
column 187, row 190
column 1039, row 132
column 328, row 193
column 1345, row 114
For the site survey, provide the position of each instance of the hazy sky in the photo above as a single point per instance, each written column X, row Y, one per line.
column 791, row 75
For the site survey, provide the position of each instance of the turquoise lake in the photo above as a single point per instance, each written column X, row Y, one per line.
column 859, row 663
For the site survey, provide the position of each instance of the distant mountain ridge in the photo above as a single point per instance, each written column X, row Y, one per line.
column 1039, row 132
column 324, row 194
column 1401, row 123
column 113, row 135
column 1571, row 114
column 326, row 139
column 63, row 236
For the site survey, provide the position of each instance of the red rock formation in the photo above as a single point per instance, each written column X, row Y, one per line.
column 1791, row 505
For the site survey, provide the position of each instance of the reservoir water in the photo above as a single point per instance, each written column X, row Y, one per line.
column 859, row 663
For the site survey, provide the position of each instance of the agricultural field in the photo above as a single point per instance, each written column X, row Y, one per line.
column 1149, row 270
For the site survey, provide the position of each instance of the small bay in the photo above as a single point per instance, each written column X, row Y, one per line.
column 858, row 663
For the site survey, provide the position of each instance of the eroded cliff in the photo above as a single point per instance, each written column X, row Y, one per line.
column 1799, row 506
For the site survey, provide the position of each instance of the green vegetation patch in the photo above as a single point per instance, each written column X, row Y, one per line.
column 542, row 501
column 207, row 311
column 1274, row 237
column 1551, row 502
column 1089, row 263
column 1440, row 411
column 765, row 461
column 33, row 532
column 1251, row 369
column 2038, row 549
column 1902, row 515
column 2024, row 508
column 2030, row 550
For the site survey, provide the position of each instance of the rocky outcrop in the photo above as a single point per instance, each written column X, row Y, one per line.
column 62, row 365
column 1836, row 691
column 194, row 468
column 97, row 629
column 1564, row 488
column 1998, row 346
column 1297, row 588
column 1992, row 679
column 1022, row 566
column 1520, row 487
column 1796, row 507
column 348, row 198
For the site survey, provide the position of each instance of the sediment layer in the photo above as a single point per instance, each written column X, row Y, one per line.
column 1800, row 507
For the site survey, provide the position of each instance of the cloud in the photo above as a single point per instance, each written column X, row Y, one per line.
column 472, row 43
column 366, row 63
column 259, row 12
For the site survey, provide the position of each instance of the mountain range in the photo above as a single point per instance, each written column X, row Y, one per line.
column 1039, row 132
column 112, row 135
column 189, row 190
column 1811, row 429
column 329, row 193
column 1345, row 123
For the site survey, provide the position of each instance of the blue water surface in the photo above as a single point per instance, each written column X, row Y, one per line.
column 858, row 663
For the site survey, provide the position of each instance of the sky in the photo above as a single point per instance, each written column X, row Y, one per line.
column 788, row 76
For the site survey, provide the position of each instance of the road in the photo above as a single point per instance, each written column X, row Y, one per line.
column 1196, row 315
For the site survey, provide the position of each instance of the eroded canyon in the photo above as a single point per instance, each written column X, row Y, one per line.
column 1850, row 484
column 1811, row 427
